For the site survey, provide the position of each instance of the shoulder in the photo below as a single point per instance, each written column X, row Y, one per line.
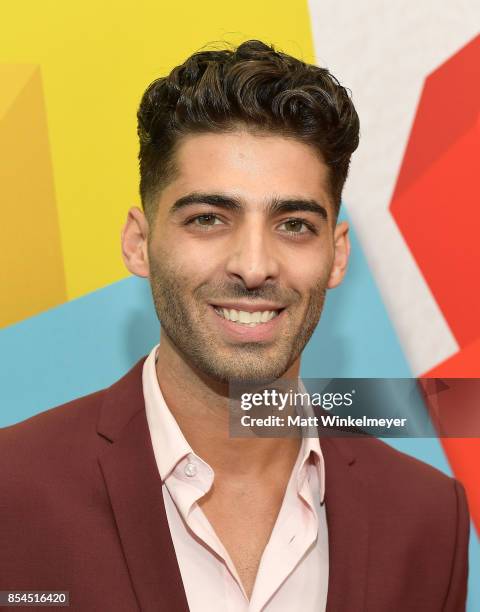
column 49, row 467
column 69, row 418
column 381, row 459
column 396, row 479
column 69, row 434
column 44, row 444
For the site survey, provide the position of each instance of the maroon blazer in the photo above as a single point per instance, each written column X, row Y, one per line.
column 81, row 510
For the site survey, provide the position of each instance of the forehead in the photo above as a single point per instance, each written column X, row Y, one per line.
column 249, row 165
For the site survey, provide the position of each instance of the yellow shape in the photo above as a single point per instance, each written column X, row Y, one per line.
column 31, row 274
column 97, row 58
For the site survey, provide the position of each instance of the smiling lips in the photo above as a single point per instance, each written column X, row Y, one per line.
column 244, row 317
column 248, row 322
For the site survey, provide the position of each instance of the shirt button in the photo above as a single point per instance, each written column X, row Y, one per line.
column 190, row 470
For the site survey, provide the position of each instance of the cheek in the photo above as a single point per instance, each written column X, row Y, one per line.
column 309, row 274
column 194, row 255
column 189, row 260
column 200, row 264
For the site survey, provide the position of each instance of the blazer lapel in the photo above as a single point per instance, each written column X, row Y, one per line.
column 135, row 491
column 346, row 498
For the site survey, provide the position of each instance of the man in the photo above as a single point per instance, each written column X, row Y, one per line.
column 136, row 497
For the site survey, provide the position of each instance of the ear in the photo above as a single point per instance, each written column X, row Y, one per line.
column 342, row 253
column 134, row 243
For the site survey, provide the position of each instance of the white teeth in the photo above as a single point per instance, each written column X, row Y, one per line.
column 247, row 318
column 229, row 314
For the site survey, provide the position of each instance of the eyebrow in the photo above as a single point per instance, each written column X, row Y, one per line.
column 276, row 206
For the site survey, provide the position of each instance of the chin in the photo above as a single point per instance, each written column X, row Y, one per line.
column 237, row 370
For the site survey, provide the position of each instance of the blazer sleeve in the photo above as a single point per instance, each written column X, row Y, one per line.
column 457, row 591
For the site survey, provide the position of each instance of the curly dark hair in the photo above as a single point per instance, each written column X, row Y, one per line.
column 254, row 87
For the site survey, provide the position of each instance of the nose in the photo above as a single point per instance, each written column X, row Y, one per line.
column 253, row 258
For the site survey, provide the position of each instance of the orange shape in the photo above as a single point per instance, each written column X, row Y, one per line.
column 31, row 276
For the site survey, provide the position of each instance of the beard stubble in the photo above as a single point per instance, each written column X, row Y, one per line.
column 198, row 345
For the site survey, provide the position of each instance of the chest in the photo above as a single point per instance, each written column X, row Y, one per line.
column 243, row 519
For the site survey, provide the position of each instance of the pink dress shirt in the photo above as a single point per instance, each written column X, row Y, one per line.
column 293, row 571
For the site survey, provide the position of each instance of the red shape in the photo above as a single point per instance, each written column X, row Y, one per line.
column 436, row 205
column 439, row 214
column 448, row 108
column 436, row 202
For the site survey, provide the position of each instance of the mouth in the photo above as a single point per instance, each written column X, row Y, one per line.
column 260, row 323
column 249, row 318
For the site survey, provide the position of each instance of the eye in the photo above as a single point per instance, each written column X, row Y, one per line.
column 298, row 226
column 205, row 220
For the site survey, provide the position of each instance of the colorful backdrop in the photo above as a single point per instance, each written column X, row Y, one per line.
column 71, row 75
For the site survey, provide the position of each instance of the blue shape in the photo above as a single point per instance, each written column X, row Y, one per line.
column 75, row 349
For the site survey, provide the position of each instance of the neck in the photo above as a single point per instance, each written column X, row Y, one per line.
column 200, row 406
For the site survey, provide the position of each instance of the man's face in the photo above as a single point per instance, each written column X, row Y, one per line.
column 241, row 252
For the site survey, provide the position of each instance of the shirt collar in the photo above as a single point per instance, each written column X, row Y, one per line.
column 174, row 447
column 161, row 422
